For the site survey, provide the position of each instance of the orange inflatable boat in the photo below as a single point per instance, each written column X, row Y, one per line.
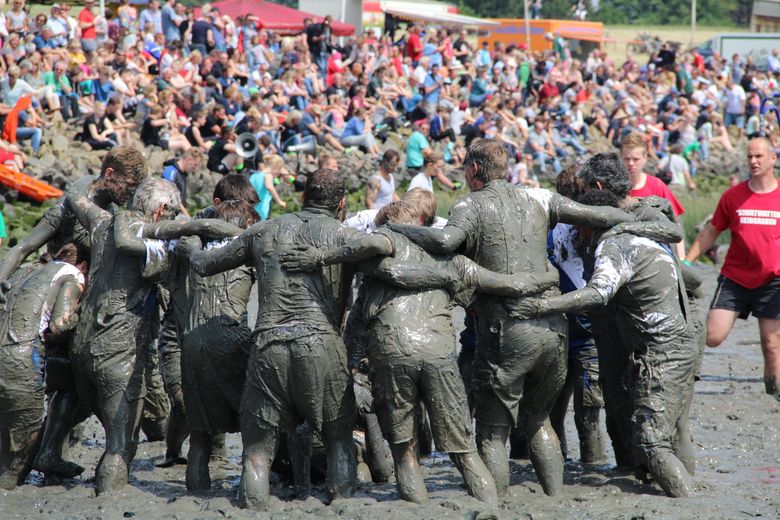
column 31, row 188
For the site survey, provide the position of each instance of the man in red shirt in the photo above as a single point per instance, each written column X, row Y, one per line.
column 750, row 277
column 414, row 45
column 87, row 26
column 633, row 152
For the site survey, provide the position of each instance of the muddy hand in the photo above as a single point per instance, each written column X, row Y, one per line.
column 301, row 259
column 212, row 228
column 526, row 308
column 186, row 245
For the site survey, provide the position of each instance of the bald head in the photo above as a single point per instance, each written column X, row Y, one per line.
column 761, row 157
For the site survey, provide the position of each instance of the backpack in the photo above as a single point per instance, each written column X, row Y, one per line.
column 665, row 173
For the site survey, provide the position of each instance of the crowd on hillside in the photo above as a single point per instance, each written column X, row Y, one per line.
column 181, row 79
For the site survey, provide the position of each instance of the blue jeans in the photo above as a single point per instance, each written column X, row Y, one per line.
column 33, row 134
column 70, row 105
column 574, row 143
column 734, row 119
column 543, row 158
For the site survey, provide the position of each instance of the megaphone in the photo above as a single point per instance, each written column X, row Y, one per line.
column 309, row 147
column 246, row 145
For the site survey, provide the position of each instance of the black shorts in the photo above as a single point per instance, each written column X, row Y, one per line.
column 761, row 302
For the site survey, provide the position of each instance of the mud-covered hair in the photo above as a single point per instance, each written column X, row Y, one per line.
column 599, row 198
column 607, row 170
column 423, row 202
column 72, row 253
column 155, row 192
column 128, row 170
column 324, row 189
column 398, row 212
column 491, row 157
column 569, row 184
column 237, row 212
column 235, row 186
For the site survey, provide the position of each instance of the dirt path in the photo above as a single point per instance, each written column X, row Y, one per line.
column 735, row 430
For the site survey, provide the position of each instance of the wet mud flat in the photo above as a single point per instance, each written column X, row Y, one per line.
column 735, row 427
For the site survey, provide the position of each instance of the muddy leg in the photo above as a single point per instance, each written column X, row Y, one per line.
column 770, row 347
column 682, row 444
column 175, row 432
column 197, row 474
column 60, row 414
column 16, row 456
column 479, row 482
column 408, row 476
column 558, row 414
column 545, row 454
column 121, row 419
column 342, row 462
column 378, row 454
column 491, row 443
column 586, row 418
column 259, row 445
column 299, row 444
column 670, row 473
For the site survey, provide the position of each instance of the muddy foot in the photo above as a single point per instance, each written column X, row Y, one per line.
column 171, row 461
column 62, row 469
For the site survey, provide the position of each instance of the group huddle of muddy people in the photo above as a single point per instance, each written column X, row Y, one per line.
column 139, row 315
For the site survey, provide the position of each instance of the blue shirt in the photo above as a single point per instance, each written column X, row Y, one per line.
column 434, row 95
column 354, row 127
column 155, row 18
column 170, row 29
column 263, row 208
column 102, row 91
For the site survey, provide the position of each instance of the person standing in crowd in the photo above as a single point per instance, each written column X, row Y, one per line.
column 87, row 26
column 750, row 277
column 380, row 188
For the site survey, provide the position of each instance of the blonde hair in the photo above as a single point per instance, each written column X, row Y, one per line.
column 632, row 141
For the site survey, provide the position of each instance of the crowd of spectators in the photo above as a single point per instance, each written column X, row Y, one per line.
column 181, row 79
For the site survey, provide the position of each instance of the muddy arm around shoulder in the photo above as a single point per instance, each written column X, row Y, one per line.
column 415, row 276
column 217, row 260
column 209, row 228
column 88, row 213
column 39, row 236
column 64, row 316
column 437, row 241
column 512, row 285
column 570, row 212
column 308, row 259
column 652, row 223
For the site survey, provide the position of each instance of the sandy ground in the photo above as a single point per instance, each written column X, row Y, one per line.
column 735, row 430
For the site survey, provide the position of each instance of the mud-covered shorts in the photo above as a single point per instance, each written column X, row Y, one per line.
column 294, row 374
column 520, row 366
column 214, row 358
column 398, row 384
column 662, row 378
column 21, row 391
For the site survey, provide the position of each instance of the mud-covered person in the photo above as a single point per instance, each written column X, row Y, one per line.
column 298, row 364
column 582, row 376
column 656, row 220
column 749, row 281
column 215, row 340
column 408, row 313
column 122, row 169
column 643, row 279
column 41, row 309
column 229, row 187
column 520, row 365
column 119, row 317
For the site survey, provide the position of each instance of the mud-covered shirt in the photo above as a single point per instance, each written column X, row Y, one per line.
column 408, row 322
column 643, row 280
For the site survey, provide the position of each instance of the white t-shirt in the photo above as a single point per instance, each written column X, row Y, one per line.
column 734, row 100
column 421, row 180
